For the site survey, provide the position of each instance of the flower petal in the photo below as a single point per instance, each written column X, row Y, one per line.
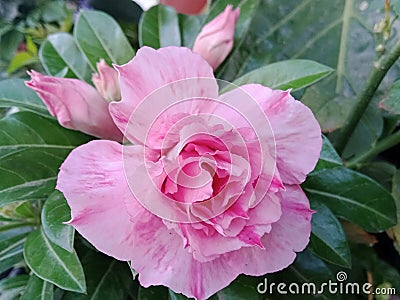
column 151, row 70
column 297, row 132
column 93, row 182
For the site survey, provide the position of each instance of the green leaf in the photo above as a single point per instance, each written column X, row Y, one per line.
column 9, row 43
column 328, row 240
column 381, row 171
column 14, row 92
column 31, row 156
column 38, row 289
column 290, row 74
column 60, row 51
column 54, row 264
column 21, row 59
column 159, row 27
column 25, row 210
column 12, row 287
column 106, row 278
column 152, row 293
column 11, row 251
column 56, row 211
column 307, row 269
column 243, row 287
column 352, row 196
column 99, row 36
column 329, row 157
column 392, row 102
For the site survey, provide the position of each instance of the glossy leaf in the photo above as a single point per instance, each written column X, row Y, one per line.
column 13, row 287
column 99, row 36
column 352, row 196
column 152, row 293
column 392, row 102
column 307, row 269
column 328, row 240
column 37, row 289
column 31, row 156
column 159, row 27
column 329, row 157
column 59, row 52
column 11, row 250
column 14, row 92
column 56, row 211
column 106, row 278
column 243, row 287
column 53, row 263
column 290, row 74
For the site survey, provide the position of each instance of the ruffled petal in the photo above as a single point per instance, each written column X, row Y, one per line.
column 149, row 72
column 296, row 131
column 92, row 180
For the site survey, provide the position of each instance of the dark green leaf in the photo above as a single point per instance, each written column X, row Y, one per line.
column 54, row 264
column 329, row 157
column 159, row 27
column 55, row 212
column 290, row 74
column 328, row 240
column 60, row 51
column 153, row 293
column 392, row 102
column 106, row 278
column 38, row 289
column 307, row 269
column 243, row 287
column 25, row 210
column 9, row 43
column 11, row 251
column 31, row 156
column 352, row 196
column 99, row 36
column 380, row 171
column 53, row 11
column 14, row 92
column 12, row 287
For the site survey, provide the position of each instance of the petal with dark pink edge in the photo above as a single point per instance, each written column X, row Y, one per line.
column 297, row 132
column 152, row 69
column 92, row 180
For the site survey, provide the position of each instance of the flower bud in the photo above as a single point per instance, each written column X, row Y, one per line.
column 106, row 81
column 215, row 41
column 76, row 105
column 188, row 7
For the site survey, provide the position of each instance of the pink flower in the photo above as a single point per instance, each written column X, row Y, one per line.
column 192, row 7
column 207, row 188
column 76, row 104
column 215, row 40
column 106, row 81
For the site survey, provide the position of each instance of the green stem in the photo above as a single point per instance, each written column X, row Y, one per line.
column 381, row 146
column 378, row 72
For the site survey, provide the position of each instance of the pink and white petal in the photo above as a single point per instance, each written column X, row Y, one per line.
column 92, row 180
column 289, row 235
column 151, row 70
column 160, row 259
column 296, row 131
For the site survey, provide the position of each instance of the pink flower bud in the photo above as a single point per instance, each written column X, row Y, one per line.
column 215, row 40
column 106, row 81
column 76, row 105
column 188, row 7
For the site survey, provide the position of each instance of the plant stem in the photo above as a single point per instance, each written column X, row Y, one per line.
column 382, row 145
column 378, row 72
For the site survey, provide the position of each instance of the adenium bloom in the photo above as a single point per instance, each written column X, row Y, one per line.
column 206, row 187
column 215, row 41
column 106, row 81
column 76, row 105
